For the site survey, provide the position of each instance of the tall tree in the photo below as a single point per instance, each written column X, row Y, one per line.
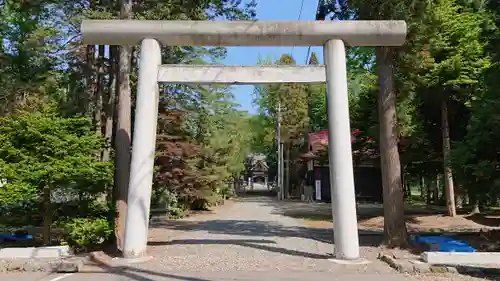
column 316, row 101
column 394, row 221
column 29, row 73
column 123, row 135
column 295, row 113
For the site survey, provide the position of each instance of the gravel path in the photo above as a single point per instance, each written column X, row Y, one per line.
column 251, row 235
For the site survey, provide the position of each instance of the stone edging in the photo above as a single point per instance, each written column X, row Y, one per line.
column 67, row 265
column 413, row 266
column 416, row 266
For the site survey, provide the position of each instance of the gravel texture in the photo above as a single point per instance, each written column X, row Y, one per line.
column 251, row 235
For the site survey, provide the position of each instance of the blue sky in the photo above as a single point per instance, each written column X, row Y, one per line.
column 271, row 10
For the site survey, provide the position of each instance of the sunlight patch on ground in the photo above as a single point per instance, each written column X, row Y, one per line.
column 317, row 223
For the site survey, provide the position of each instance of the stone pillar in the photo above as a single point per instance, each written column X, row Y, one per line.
column 340, row 154
column 143, row 151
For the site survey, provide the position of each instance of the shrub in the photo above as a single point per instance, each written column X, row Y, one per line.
column 168, row 202
column 226, row 191
column 86, row 234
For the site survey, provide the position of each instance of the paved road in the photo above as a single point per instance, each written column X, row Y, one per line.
column 250, row 239
column 234, row 276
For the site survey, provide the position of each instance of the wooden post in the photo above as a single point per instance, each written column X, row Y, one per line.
column 47, row 216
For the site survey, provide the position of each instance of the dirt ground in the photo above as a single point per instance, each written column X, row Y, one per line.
column 419, row 218
column 481, row 231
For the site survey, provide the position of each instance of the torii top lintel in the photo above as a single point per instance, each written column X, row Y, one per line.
column 244, row 33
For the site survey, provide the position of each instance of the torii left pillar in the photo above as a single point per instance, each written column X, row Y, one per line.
column 143, row 156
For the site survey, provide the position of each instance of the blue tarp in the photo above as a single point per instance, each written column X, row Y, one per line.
column 12, row 237
column 443, row 244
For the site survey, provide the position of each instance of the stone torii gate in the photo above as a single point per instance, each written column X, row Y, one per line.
column 332, row 35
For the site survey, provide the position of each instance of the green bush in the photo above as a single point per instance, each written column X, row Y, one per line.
column 86, row 234
column 200, row 204
column 206, row 203
column 20, row 213
column 167, row 201
column 226, row 191
column 87, row 208
column 6, row 229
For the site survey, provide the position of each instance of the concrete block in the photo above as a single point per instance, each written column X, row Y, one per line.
column 404, row 266
column 421, row 268
column 34, row 266
column 438, row 269
column 42, row 265
column 452, row 269
column 461, row 258
column 35, row 253
column 15, row 265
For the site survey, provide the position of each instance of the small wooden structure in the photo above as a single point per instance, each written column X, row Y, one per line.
column 367, row 173
column 257, row 169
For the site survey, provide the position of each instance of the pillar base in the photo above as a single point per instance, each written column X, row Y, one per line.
column 126, row 261
column 359, row 261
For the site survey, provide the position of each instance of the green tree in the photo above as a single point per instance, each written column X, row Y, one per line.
column 43, row 153
column 455, row 44
column 474, row 156
column 394, row 222
column 316, row 94
column 295, row 101
column 27, row 55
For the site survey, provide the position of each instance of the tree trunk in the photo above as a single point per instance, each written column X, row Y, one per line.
column 110, row 101
column 395, row 234
column 288, row 178
column 447, row 173
column 91, row 79
column 236, row 185
column 460, row 197
column 123, row 131
column 422, row 188
column 98, row 102
column 435, row 192
column 475, row 204
column 439, row 194
column 475, row 209
column 428, row 195
column 406, row 187
column 493, row 198
column 47, row 216
column 99, row 91
column 460, row 202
